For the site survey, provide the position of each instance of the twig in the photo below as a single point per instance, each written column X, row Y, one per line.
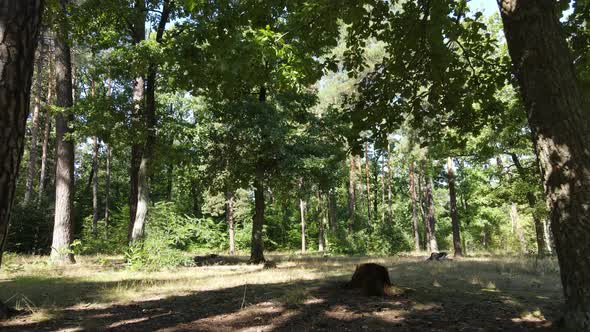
column 244, row 297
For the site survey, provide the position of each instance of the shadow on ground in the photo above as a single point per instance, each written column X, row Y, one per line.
column 458, row 300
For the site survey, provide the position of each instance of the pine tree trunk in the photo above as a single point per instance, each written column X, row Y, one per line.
column 351, row 194
column 430, row 216
column 383, row 200
column 302, row 216
column 229, row 218
column 368, row 182
column 257, row 244
column 34, row 129
column 453, row 205
column 332, row 210
column 46, row 132
column 560, row 123
column 321, row 223
column 95, row 212
column 20, row 21
column 107, row 196
column 64, row 172
column 389, row 193
column 414, row 208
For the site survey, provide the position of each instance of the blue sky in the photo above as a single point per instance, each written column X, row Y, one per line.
column 488, row 7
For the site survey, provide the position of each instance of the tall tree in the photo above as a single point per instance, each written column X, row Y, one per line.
column 34, row 130
column 95, row 212
column 64, row 172
column 453, row 208
column 560, row 123
column 351, row 193
column 20, row 21
column 150, row 133
column 414, row 199
column 47, row 129
column 389, row 193
column 368, row 181
column 229, row 218
column 138, row 91
column 532, row 200
column 430, row 221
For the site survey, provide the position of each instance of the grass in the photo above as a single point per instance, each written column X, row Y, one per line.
column 530, row 288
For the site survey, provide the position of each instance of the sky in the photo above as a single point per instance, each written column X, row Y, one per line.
column 488, row 7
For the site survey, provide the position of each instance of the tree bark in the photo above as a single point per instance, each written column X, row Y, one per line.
column 95, row 212
column 389, row 193
column 302, row 218
column 138, row 92
column 46, row 131
column 430, row 216
column 34, row 129
column 560, row 123
column 20, row 21
column 257, row 245
column 453, row 206
column 414, row 208
column 368, row 182
column 332, row 209
column 64, row 173
column 351, row 194
column 321, row 223
column 229, row 217
column 107, row 196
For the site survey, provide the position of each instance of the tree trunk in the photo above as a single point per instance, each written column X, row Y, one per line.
column 389, row 194
column 321, row 224
column 518, row 227
column 302, row 216
column 64, row 173
column 332, row 210
column 532, row 200
column 368, row 182
column 150, row 136
column 430, row 216
column 95, row 213
column 107, row 196
column 412, row 181
column 34, row 129
column 20, row 22
column 229, row 217
column 138, row 91
column 454, row 214
column 47, row 130
column 351, row 194
column 257, row 245
column 560, row 123
column 383, row 200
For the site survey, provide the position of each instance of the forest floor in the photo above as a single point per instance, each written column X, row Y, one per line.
column 301, row 294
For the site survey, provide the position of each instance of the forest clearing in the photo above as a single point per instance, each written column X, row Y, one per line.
column 412, row 165
column 302, row 293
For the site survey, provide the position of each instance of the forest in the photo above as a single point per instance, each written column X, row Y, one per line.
column 217, row 165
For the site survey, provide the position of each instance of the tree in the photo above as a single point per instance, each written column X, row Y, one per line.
column 414, row 199
column 64, row 172
column 21, row 21
column 453, row 208
column 560, row 124
column 34, row 130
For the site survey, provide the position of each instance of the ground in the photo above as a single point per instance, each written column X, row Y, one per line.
column 301, row 294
